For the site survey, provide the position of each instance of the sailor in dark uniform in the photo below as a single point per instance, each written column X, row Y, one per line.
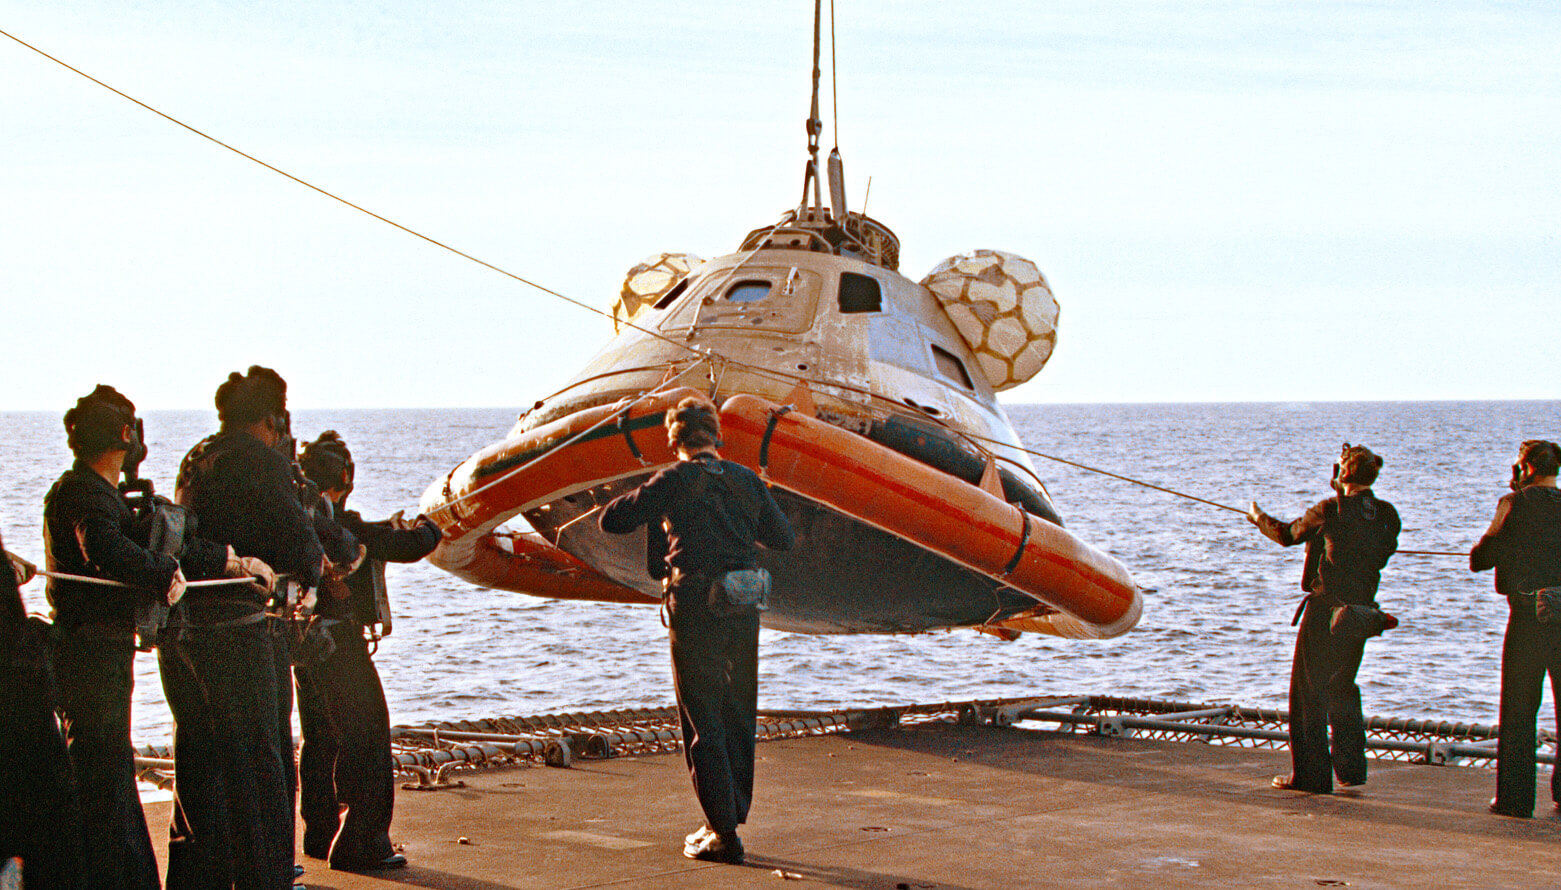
column 1523, row 545
column 295, row 632
column 715, row 513
column 40, row 816
column 1349, row 538
column 88, row 531
column 345, row 765
column 233, row 814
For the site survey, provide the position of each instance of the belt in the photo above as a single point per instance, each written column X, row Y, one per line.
column 99, row 633
column 678, row 576
column 1320, row 599
column 255, row 616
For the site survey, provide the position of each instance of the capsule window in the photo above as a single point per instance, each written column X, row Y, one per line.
column 748, row 291
column 860, row 293
column 951, row 367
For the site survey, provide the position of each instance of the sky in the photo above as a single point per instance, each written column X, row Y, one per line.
column 1233, row 201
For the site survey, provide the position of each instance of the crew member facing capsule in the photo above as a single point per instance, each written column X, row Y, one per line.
column 1349, row 538
column 1523, row 545
column 88, row 531
column 715, row 513
column 346, row 771
column 233, row 815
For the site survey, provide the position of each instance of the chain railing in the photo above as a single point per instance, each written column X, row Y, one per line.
column 431, row 752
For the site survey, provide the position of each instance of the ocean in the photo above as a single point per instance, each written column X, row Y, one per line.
column 1218, row 600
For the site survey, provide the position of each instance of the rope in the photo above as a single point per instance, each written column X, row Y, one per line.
column 586, row 306
column 334, row 197
column 1182, row 494
column 610, row 418
column 975, row 438
column 1128, row 479
column 104, row 582
column 697, row 352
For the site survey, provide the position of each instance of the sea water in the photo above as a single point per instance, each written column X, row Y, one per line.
column 1218, row 595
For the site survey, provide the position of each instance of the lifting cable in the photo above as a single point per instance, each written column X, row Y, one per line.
column 699, row 353
column 612, row 417
column 1190, row 497
column 586, row 306
column 834, row 81
column 978, row 440
column 309, row 185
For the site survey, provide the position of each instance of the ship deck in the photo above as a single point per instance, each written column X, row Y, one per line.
column 942, row 805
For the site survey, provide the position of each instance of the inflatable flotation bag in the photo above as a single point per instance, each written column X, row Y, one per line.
column 648, row 282
column 1003, row 308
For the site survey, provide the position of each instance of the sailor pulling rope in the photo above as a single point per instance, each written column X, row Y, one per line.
column 26, row 571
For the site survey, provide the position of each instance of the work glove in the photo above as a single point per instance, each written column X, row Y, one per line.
column 1255, row 513
column 263, row 577
column 176, row 588
column 24, row 570
column 423, row 520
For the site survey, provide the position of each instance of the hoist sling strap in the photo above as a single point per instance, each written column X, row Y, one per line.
column 622, row 423
column 769, row 431
column 1024, row 541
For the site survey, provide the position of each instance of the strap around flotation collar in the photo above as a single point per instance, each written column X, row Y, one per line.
column 634, row 449
column 1024, row 540
column 769, row 430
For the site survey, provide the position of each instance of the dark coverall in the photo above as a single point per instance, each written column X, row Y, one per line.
column 341, row 549
column 1524, row 546
column 233, row 816
column 87, row 531
column 40, row 816
column 711, row 529
column 345, row 760
column 1348, row 541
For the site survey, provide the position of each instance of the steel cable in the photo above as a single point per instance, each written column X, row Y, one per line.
column 586, row 306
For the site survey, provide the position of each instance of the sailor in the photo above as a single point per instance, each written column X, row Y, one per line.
column 89, row 531
column 293, row 629
column 40, row 815
column 712, row 512
column 1349, row 538
column 345, row 766
column 1523, row 545
column 233, row 815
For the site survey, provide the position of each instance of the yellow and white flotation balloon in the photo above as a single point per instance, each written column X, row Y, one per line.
column 648, row 282
column 1003, row 308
